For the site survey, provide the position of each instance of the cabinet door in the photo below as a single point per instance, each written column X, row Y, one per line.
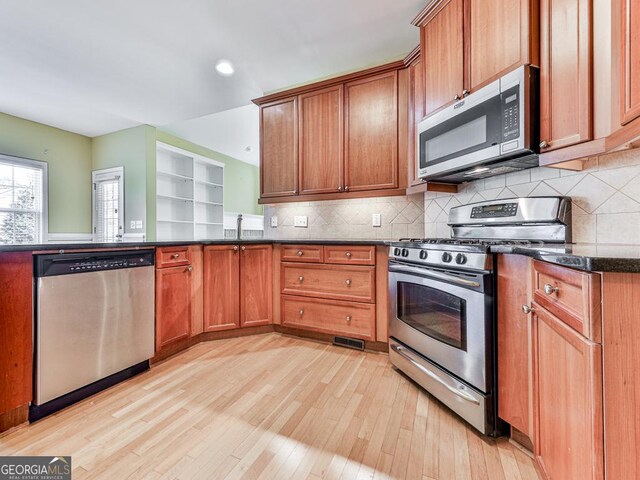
column 279, row 148
column 515, row 344
column 442, row 55
column 174, row 309
column 499, row 39
column 565, row 73
column 256, row 280
column 630, row 74
column 221, row 288
column 569, row 440
column 371, row 132
column 321, row 147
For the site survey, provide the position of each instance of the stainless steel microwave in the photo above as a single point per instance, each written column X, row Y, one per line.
column 491, row 131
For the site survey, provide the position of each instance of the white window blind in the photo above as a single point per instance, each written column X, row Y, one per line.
column 22, row 200
column 108, row 214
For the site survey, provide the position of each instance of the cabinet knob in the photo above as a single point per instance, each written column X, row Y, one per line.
column 346, row 188
column 465, row 92
column 301, row 312
column 544, row 144
column 175, row 255
column 300, row 278
column 235, row 248
column 348, row 317
column 348, row 254
column 299, row 253
column 243, row 248
column 550, row 289
column 190, row 268
column 526, row 309
column 340, row 188
column 457, row 97
column 348, row 281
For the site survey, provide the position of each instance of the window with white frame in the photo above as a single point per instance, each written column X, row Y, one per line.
column 108, row 204
column 23, row 200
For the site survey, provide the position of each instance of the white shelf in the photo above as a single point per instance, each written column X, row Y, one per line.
column 189, row 195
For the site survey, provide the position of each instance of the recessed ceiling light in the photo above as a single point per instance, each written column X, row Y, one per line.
column 225, row 68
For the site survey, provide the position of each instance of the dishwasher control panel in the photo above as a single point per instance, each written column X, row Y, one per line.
column 71, row 263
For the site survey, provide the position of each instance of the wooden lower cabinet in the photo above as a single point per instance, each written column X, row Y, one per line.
column 221, row 287
column 340, row 282
column 174, row 305
column 256, row 284
column 350, row 319
column 515, row 344
column 569, row 421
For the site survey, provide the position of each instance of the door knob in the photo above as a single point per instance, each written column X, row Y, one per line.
column 550, row 289
column 526, row 309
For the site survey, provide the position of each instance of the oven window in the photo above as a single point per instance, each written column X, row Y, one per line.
column 433, row 312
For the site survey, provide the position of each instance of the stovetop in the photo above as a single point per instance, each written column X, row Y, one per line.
column 469, row 241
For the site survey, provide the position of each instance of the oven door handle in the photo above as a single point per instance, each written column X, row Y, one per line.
column 456, row 391
column 433, row 274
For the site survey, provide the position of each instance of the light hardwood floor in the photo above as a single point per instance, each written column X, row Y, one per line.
column 269, row 407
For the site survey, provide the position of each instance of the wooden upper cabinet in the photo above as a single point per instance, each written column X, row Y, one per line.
column 568, row 372
column 442, row 54
column 565, row 73
column 630, row 59
column 371, row 132
column 174, row 306
column 499, row 36
column 321, row 145
column 256, row 280
column 279, row 148
column 221, row 287
column 416, row 100
column 515, row 344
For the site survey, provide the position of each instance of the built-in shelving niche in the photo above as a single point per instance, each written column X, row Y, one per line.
column 189, row 195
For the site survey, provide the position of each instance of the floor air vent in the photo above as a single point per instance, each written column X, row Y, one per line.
column 349, row 343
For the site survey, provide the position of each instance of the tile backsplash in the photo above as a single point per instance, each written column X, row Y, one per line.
column 349, row 219
column 606, row 197
column 606, row 205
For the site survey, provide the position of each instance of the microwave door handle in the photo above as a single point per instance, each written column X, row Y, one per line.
column 456, row 391
column 434, row 274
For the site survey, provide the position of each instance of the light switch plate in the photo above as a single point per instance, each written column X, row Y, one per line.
column 132, row 224
column 138, row 223
column 300, row 221
column 274, row 221
column 376, row 220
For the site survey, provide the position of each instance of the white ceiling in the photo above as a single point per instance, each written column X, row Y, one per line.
column 95, row 67
column 234, row 132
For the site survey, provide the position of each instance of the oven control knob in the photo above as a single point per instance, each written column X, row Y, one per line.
column 405, row 252
column 423, row 254
column 446, row 257
column 396, row 252
column 461, row 259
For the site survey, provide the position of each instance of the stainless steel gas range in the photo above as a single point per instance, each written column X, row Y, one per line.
column 442, row 300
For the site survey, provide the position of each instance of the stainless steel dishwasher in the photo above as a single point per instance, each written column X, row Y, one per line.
column 94, row 324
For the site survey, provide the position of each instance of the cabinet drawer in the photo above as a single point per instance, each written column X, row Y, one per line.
column 350, row 255
column 571, row 295
column 172, row 256
column 302, row 253
column 329, row 281
column 329, row 316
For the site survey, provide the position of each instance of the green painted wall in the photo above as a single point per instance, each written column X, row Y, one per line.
column 130, row 149
column 241, row 180
column 69, row 164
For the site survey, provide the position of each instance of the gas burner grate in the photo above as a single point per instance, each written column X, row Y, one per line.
column 472, row 241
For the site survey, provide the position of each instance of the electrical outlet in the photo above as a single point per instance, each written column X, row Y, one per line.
column 300, row 221
column 132, row 224
column 274, row 221
column 376, row 220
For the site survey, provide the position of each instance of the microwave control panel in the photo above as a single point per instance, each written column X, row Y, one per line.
column 493, row 211
column 510, row 114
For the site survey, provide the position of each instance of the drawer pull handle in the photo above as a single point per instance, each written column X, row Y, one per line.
column 348, row 318
column 550, row 289
column 526, row 309
column 348, row 254
column 175, row 255
column 190, row 268
column 300, row 278
column 301, row 312
column 348, row 281
column 299, row 253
